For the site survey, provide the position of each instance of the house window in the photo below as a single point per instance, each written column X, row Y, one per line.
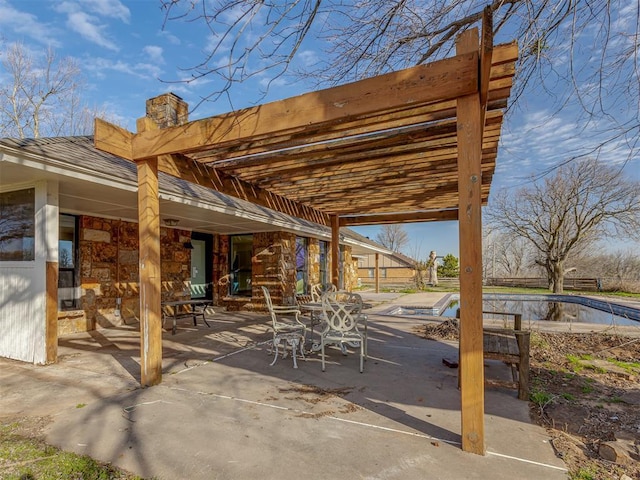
column 17, row 226
column 324, row 262
column 372, row 272
column 68, row 291
column 302, row 254
column 383, row 273
column 241, row 268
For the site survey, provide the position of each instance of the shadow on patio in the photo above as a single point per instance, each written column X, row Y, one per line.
column 223, row 412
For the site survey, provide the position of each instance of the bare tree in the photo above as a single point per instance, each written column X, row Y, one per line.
column 41, row 96
column 394, row 237
column 566, row 214
column 366, row 38
column 618, row 270
column 505, row 255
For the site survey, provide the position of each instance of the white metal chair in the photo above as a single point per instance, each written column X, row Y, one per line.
column 317, row 290
column 343, row 313
column 287, row 328
column 320, row 289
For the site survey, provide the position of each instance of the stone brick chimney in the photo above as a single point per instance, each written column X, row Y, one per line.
column 168, row 110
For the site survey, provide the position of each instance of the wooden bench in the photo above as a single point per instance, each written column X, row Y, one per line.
column 511, row 346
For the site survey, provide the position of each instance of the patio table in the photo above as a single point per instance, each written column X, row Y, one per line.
column 197, row 308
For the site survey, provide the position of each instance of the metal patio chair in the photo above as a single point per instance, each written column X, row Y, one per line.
column 343, row 313
column 287, row 328
column 317, row 290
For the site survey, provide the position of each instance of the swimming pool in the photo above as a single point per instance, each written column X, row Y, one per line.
column 552, row 307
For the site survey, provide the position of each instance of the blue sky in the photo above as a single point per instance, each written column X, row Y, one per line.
column 127, row 56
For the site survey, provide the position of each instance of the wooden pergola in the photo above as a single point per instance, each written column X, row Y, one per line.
column 409, row 146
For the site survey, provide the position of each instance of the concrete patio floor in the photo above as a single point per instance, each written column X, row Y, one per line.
column 222, row 412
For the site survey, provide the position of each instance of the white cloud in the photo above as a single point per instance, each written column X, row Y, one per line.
column 231, row 16
column 308, row 57
column 273, row 82
column 86, row 25
column 90, row 26
column 170, row 37
column 543, row 139
column 186, row 79
column 26, row 24
column 108, row 8
column 154, row 52
column 102, row 66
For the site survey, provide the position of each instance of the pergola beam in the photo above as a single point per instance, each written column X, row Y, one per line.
column 437, row 81
column 117, row 141
column 113, row 139
column 382, row 219
column 186, row 169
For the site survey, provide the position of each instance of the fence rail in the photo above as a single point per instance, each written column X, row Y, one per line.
column 570, row 283
column 587, row 284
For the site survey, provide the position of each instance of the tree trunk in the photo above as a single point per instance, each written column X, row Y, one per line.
column 557, row 277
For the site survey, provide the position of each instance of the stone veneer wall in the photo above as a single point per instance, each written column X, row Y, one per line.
column 109, row 270
column 108, row 262
column 274, row 266
column 221, row 245
column 314, row 261
column 350, row 270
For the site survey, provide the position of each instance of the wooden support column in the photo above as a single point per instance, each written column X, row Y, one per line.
column 51, row 220
column 335, row 250
column 377, row 273
column 469, row 131
column 52, row 312
column 150, row 300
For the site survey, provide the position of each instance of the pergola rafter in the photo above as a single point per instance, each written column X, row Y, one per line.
column 415, row 145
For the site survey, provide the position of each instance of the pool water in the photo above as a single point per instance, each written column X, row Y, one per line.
column 556, row 308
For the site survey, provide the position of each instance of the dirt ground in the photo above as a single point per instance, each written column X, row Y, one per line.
column 585, row 391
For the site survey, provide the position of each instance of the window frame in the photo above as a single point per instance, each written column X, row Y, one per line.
column 26, row 218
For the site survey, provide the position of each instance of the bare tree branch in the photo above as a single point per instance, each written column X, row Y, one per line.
column 393, row 236
column 582, row 54
column 42, row 96
column 565, row 215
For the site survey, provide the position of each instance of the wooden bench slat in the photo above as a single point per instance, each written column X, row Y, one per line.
column 511, row 346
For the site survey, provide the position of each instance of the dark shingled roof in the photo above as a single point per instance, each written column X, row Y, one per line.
column 77, row 153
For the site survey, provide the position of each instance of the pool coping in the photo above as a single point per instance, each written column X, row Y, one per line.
column 436, row 309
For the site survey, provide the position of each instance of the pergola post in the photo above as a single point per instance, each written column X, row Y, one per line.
column 149, row 264
column 469, row 132
column 377, row 272
column 335, row 250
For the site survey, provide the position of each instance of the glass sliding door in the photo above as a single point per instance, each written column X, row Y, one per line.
column 198, row 269
column 201, row 265
column 324, row 264
column 68, row 288
column 241, row 251
column 302, row 255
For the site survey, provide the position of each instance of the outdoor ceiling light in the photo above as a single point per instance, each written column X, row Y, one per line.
column 171, row 222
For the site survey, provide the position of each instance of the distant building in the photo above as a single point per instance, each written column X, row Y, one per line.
column 394, row 268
